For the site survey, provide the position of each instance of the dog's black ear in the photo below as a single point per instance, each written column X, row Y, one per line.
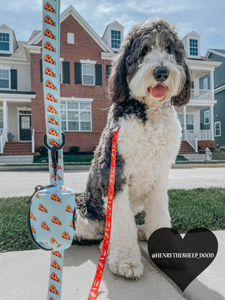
column 117, row 81
column 184, row 96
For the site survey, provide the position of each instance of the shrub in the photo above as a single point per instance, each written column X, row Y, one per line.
column 222, row 149
column 42, row 150
column 74, row 149
column 212, row 149
column 199, row 147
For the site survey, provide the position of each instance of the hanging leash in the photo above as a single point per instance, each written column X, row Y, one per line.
column 52, row 208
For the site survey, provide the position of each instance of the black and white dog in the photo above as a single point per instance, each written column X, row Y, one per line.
column 150, row 67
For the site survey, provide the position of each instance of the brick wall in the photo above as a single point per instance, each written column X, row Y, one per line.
column 84, row 48
column 205, row 144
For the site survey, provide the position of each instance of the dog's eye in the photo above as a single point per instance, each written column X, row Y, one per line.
column 144, row 51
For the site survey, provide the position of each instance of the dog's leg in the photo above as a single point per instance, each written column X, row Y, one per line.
column 125, row 255
column 156, row 207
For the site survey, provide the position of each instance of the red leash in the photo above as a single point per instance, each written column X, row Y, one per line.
column 108, row 223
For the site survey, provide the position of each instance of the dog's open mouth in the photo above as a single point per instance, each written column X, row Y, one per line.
column 158, row 91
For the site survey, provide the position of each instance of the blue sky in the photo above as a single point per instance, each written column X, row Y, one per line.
column 205, row 17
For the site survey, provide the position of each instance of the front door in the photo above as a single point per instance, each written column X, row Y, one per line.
column 25, row 128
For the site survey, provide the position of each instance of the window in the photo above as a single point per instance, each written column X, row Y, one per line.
column 193, row 47
column 88, row 77
column 206, row 117
column 218, row 128
column 70, row 38
column 4, row 79
column 192, row 85
column 190, row 122
column 205, row 84
column 4, row 41
column 180, row 117
column 115, row 39
column 75, row 116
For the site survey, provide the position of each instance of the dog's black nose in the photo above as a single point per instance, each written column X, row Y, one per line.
column 161, row 73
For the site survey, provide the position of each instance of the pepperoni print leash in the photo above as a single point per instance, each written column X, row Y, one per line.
column 52, row 208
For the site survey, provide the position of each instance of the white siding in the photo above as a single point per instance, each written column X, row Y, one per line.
column 23, row 77
column 23, row 74
column 13, row 119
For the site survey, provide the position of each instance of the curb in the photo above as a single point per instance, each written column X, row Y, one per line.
column 41, row 168
column 87, row 167
column 192, row 166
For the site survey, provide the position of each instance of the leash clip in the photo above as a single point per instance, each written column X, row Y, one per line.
column 54, row 152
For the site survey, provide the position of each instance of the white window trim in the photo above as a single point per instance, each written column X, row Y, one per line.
column 219, row 122
column 205, row 80
column 70, row 38
column 9, row 79
column 81, row 100
column 18, row 119
column 188, row 47
column 10, row 51
column 83, row 75
column 193, row 47
column 206, row 117
column 115, row 49
column 88, row 61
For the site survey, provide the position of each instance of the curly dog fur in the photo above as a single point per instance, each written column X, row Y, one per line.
column 148, row 143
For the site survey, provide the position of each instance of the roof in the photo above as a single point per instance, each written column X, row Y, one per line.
column 203, row 58
column 34, row 33
column 18, row 53
column 222, row 51
column 71, row 11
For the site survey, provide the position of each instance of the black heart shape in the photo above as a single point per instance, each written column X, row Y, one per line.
column 182, row 270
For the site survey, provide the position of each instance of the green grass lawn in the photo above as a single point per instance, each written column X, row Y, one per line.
column 67, row 158
column 189, row 209
column 218, row 155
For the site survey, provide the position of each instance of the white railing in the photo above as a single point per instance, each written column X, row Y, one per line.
column 33, row 143
column 3, row 139
column 191, row 139
column 201, row 94
column 202, row 134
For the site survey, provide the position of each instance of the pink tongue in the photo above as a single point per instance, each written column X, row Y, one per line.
column 159, row 91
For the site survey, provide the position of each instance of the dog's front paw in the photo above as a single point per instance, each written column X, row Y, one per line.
column 141, row 232
column 129, row 269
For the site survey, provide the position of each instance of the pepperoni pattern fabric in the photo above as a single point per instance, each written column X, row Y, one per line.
column 51, row 216
column 51, row 82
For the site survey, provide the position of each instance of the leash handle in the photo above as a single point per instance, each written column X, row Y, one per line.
column 108, row 223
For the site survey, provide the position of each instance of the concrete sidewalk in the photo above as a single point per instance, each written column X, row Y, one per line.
column 24, row 276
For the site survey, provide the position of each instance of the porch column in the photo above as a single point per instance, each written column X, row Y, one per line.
column 212, row 83
column 5, row 115
column 212, row 122
column 184, row 122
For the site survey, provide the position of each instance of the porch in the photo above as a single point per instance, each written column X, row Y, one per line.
column 15, row 122
column 202, row 98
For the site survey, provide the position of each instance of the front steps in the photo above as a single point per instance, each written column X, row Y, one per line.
column 17, row 148
column 186, row 148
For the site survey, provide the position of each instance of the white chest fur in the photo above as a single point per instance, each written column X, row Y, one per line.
column 149, row 148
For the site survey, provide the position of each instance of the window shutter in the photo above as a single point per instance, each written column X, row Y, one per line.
column 77, row 70
column 41, row 75
column 13, row 79
column 98, row 72
column 66, row 72
column 107, row 71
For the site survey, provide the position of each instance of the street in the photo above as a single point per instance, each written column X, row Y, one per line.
column 16, row 184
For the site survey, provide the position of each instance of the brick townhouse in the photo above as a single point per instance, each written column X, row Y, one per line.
column 85, row 59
